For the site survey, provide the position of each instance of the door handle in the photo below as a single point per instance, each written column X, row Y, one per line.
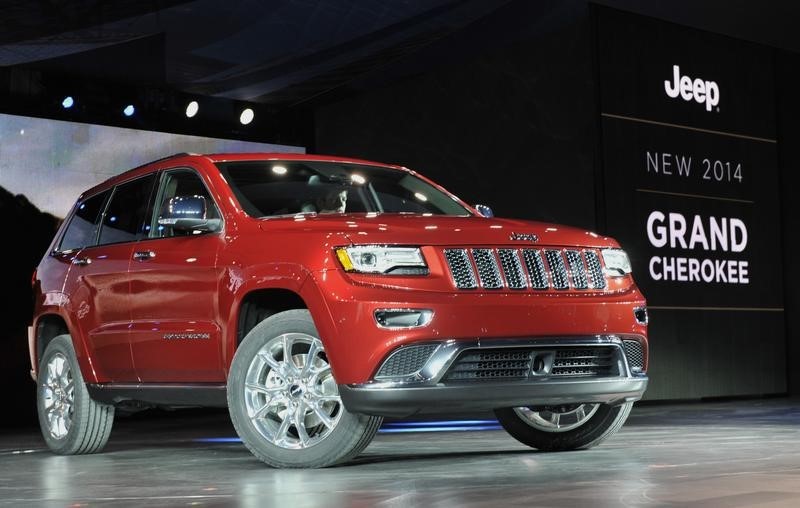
column 143, row 255
column 81, row 261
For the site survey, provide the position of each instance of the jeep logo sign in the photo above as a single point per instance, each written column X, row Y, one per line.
column 704, row 92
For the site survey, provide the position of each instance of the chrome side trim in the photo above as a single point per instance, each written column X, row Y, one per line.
column 641, row 315
column 427, row 317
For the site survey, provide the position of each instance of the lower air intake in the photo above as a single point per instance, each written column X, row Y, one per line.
column 519, row 364
column 635, row 354
column 406, row 361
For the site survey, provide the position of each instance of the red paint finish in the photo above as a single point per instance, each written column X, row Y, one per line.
column 174, row 295
column 97, row 302
column 175, row 316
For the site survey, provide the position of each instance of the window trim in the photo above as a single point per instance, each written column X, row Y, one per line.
column 114, row 190
column 159, row 193
column 71, row 216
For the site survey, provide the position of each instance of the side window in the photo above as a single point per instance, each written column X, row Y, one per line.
column 125, row 214
column 83, row 225
column 180, row 183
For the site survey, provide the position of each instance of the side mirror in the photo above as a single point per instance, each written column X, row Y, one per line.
column 187, row 213
column 485, row 211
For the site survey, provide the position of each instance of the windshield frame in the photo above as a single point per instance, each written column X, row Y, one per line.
column 352, row 167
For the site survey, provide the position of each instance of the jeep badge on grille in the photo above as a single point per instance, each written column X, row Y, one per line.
column 524, row 237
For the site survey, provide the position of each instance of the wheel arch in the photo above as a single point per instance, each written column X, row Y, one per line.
column 47, row 327
column 259, row 302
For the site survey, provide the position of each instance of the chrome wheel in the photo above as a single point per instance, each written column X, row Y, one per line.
column 557, row 418
column 289, row 392
column 58, row 396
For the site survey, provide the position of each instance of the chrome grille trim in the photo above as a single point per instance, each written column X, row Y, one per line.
column 558, row 270
column 520, row 269
column 595, row 269
column 577, row 269
column 512, row 269
column 535, row 265
column 488, row 271
column 461, row 268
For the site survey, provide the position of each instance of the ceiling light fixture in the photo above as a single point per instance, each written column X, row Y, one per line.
column 247, row 116
column 192, row 108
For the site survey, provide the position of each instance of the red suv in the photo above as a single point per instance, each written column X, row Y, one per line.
column 314, row 295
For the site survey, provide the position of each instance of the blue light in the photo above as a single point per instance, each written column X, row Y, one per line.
column 401, row 428
column 218, row 440
column 129, row 110
column 452, row 428
column 68, row 102
column 440, row 426
column 443, row 423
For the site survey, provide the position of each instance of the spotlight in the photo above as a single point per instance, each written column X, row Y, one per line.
column 192, row 108
column 68, row 102
column 247, row 116
column 129, row 110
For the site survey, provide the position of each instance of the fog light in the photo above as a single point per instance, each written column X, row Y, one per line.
column 640, row 313
column 403, row 318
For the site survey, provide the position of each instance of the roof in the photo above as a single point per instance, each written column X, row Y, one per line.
column 225, row 157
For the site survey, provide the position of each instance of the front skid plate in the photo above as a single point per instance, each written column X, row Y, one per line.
column 399, row 401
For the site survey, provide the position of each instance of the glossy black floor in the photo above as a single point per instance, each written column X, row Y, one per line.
column 731, row 454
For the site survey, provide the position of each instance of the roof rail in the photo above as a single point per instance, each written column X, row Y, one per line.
column 179, row 154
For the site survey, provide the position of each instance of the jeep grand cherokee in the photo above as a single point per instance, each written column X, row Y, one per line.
column 314, row 295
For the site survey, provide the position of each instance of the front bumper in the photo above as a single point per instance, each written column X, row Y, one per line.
column 432, row 389
column 399, row 402
column 356, row 345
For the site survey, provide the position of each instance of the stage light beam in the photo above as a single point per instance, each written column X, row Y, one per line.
column 129, row 110
column 68, row 102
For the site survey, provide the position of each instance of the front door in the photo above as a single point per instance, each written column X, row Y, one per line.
column 175, row 335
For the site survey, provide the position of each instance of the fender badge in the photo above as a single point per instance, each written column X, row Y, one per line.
column 186, row 335
column 524, row 237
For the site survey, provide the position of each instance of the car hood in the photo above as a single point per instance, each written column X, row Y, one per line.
column 415, row 229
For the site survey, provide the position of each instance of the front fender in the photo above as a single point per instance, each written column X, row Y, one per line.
column 238, row 282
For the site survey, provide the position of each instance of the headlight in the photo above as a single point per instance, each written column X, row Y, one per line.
column 617, row 262
column 382, row 259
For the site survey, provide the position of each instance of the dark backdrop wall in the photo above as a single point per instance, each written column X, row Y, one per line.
column 690, row 170
column 787, row 79
column 519, row 127
column 512, row 127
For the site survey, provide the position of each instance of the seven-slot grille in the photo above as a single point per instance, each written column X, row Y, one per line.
column 514, row 364
column 540, row 269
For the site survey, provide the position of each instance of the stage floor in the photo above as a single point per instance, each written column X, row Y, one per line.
column 730, row 454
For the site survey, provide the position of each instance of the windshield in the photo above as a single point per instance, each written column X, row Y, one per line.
column 269, row 188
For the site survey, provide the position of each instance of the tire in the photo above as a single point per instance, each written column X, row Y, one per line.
column 71, row 422
column 289, row 413
column 585, row 425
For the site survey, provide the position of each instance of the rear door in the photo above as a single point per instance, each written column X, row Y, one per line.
column 175, row 331
column 97, row 284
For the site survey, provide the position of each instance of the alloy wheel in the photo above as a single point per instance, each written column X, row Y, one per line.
column 557, row 418
column 58, row 395
column 290, row 394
